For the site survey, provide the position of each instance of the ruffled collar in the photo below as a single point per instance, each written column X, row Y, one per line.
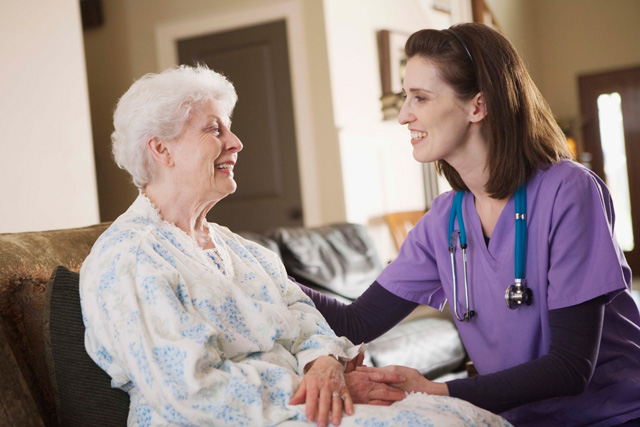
column 144, row 207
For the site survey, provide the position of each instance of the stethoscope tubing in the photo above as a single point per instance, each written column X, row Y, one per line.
column 521, row 232
column 519, row 253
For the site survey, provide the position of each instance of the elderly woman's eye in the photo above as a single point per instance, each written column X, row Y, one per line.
column 214, row 130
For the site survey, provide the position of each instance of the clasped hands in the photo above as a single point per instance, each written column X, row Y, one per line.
column 329, row 388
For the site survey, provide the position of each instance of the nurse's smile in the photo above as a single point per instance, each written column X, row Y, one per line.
column 417, row 136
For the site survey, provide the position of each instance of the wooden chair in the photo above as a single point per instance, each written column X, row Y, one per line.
column 400, row 223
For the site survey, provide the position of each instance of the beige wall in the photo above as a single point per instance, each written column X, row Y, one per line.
column 517, row 22
column 579, row 37
column 47, row 175
column 563, row 39
column 125, row 49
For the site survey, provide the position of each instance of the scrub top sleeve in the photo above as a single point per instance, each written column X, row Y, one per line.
column 414, row 275
column 585, row 260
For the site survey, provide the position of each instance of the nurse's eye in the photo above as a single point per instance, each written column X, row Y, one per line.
column 419, row 99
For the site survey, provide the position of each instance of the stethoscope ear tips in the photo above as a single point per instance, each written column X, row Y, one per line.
column 516, row 295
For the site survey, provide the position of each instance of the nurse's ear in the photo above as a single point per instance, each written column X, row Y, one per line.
column 479, row 108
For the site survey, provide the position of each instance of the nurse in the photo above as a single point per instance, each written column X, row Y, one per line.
column 564, row 349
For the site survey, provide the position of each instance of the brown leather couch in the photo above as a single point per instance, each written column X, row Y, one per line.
column 338, row 259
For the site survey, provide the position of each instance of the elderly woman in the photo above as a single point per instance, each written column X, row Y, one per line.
column 197, row 324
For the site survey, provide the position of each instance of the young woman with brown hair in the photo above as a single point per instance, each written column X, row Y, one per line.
column 523, row 224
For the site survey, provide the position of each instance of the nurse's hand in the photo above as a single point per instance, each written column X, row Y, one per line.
column 354, row 363
column 414, row 381
column 323, row 389
column 371, row 387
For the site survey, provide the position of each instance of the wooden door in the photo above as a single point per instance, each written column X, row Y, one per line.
column 256, row 61
column 624, row 85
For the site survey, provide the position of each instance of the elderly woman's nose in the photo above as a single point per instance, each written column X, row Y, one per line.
column 233, row 143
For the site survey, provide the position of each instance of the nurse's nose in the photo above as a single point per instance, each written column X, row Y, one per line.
column 405, row 116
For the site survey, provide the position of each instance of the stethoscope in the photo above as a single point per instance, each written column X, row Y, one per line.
column 516, row 294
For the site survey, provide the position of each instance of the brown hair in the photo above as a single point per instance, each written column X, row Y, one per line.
column 520, row 130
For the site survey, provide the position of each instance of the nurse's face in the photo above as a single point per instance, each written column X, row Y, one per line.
column 437, row 119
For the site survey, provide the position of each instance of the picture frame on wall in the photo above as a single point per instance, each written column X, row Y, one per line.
column 393, row 62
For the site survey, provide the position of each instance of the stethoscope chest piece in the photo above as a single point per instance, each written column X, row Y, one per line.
column 518, row 294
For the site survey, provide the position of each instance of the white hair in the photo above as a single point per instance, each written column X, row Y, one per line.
column 158, row 106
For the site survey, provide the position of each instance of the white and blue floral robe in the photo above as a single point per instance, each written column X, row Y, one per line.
column 204, row 337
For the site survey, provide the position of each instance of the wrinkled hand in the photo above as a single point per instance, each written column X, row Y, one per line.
column 324, row 378
column 371, row 387
column 414, row 381
column 354, row 363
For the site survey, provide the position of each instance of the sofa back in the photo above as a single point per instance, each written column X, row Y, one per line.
column 26, row 263
column 338, row 258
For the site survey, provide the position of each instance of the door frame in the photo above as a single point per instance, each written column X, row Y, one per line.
column 167, row 34
column 599, row 82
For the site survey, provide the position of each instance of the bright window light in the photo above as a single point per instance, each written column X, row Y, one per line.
column 615, row 165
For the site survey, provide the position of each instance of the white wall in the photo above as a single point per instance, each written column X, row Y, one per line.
column 47, row 175
column 379, row 173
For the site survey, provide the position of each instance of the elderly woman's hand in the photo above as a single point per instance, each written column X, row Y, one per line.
column 324, row 390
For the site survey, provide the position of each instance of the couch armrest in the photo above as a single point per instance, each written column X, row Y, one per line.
column 17, row 407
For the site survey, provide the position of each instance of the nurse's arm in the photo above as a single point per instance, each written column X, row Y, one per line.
column 565, row 371
column 375, row 312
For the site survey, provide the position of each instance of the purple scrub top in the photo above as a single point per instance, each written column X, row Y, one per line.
column 572, row 257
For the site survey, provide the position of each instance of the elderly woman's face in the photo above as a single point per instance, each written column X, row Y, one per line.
column 206, row 152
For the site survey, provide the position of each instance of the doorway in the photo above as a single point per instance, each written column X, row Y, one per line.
column 610, row 106
column 255, row 59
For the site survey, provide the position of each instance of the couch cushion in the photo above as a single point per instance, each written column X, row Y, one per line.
column 85, row 396
column 339, row 257
column 430, row 345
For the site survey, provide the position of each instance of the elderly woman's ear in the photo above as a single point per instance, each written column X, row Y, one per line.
column 160, row 151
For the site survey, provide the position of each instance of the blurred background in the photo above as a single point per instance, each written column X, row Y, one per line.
column 310, row 76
